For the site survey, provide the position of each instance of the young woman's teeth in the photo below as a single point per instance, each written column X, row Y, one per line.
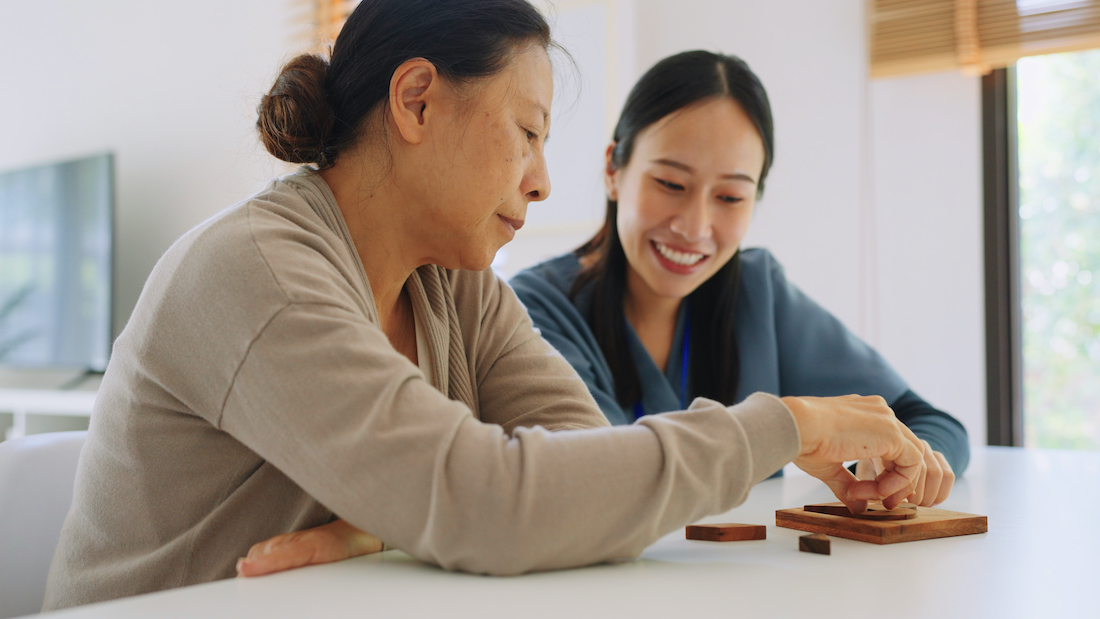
column 678, row 257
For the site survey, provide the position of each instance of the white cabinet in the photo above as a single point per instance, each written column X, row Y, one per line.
column 23, row 402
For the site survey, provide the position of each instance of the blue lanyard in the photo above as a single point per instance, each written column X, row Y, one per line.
column 684, row 349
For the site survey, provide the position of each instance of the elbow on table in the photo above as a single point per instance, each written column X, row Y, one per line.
column 511, row 550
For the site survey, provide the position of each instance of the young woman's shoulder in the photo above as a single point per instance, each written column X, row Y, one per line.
column 761, row 271
column 556, row 274
column 759, row 261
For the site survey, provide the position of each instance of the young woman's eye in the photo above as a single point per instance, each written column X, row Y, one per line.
column 731, row 199
column 669, row 185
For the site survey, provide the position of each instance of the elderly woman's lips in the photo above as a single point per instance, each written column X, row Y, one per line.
column 516, row 224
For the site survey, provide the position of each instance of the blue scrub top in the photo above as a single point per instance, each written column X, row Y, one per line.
column 788, row 345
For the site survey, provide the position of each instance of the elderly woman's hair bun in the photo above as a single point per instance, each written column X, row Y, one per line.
column 295, row 118
column 316, row 110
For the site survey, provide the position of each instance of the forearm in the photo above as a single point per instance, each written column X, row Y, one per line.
column 553, row 500
column 366, row 436
column 486, row 503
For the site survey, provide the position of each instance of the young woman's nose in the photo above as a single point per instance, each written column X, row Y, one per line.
column 693, row 223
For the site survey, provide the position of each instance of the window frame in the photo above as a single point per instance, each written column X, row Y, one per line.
column 1004, row 356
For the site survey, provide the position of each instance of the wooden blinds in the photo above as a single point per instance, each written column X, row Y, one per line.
column 325, row 18
column 914, row 36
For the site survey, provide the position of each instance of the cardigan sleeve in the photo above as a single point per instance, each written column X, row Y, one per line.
column 323, row 397
column 522, row 381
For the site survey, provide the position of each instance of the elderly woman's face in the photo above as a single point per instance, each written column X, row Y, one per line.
column 686, row 197
column 488, row 163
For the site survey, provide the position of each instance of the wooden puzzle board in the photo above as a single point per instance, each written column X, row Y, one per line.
column 929, row 523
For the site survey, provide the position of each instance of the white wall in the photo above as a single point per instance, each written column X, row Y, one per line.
column 927, row 166
column 873, row 204
column 169, row 87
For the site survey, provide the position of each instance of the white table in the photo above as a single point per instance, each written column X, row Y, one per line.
column 1041, row 558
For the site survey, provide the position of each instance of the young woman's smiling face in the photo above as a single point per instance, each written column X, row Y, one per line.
column 686, row 197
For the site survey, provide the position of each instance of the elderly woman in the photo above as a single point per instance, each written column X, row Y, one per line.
column 335, row 347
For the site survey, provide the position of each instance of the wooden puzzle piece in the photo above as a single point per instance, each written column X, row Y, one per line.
column 875, row 511
column 728, row 532
column 815, row 543
column 927, row 523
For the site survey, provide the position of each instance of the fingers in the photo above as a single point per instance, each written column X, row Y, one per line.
column 862, row 491
column 847, row 488
column 904, row 469
column 896, row 499
column 909, row 454
column 948, row 482
column 890, row 483
column 927, row 477
column 865, row 470
column 936, row 482
column 282, row 552
column 834, row 430
column 335, row 541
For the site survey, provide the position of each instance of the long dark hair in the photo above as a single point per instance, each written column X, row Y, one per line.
column 672, row 84
column 316, row 108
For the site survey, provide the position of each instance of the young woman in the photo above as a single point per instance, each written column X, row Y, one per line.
column 335, row 346
column 662, row 305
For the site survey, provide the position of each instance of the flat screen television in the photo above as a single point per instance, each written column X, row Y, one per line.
column 56, row 238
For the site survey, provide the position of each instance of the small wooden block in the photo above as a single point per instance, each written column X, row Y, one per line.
column 814, row 542
column 875, row 511
column 728, row 532
column 928, row 523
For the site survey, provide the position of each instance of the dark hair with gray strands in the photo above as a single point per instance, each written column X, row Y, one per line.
column 317, row 108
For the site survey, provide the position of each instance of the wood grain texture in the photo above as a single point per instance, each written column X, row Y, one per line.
column 875, row 511
column 929, row 523
column 815, row 543
column 727, row 532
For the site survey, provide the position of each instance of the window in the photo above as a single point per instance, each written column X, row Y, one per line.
column 1058, row 133
column 1041, row 125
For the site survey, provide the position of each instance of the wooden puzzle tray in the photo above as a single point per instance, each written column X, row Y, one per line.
column 928, row 523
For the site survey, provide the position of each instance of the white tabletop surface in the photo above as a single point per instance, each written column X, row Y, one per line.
column 1041, row 558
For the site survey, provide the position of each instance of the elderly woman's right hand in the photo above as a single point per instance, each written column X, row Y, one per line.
column 839, row 429
column 939, row 477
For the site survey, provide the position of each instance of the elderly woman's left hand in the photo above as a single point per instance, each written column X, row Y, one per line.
column 327, row 543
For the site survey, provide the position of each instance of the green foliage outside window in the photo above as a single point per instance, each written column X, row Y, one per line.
column 1059, row 158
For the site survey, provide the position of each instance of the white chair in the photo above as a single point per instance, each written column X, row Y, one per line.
column 36, row 489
